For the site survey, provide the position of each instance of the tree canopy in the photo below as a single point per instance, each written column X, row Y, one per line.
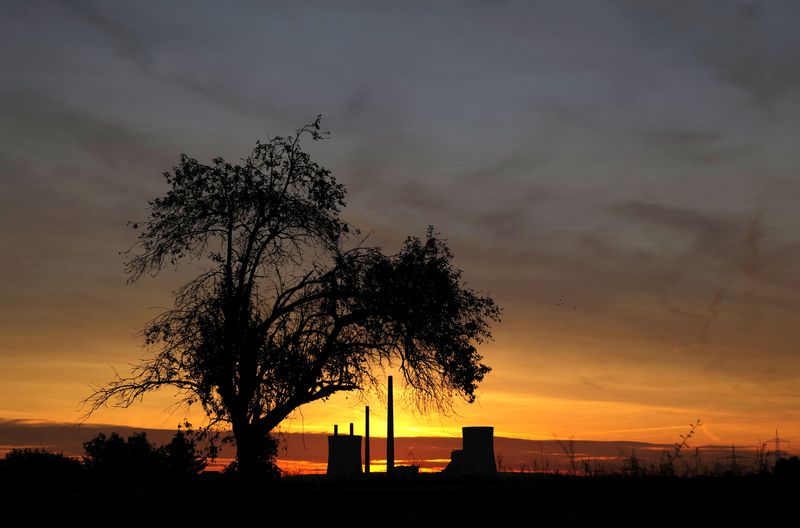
column 136, row 461
column 293, row 306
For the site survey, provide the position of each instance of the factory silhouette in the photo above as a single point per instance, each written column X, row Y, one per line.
column 475, row 458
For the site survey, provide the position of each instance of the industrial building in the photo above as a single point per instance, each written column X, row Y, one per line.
column 475, row 458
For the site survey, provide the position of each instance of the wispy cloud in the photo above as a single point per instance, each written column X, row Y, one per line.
column 634, row 162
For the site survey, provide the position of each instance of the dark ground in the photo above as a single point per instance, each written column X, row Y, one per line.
column 535, row 500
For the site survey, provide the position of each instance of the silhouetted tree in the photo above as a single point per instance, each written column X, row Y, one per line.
column 291, row 307
column 119, row 462
column 182, row 457
column 29, row 467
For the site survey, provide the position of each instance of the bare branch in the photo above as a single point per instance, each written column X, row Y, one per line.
column 292, row 307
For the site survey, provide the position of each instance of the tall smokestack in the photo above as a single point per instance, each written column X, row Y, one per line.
column 366, row 439
column 390, row 432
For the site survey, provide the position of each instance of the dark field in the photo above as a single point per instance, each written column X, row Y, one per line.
column 515, row 500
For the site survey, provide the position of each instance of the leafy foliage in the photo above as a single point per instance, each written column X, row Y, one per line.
column 37, row 467
column 136, row 461
column 118, row 460
column 182, row 457
column 292, row 307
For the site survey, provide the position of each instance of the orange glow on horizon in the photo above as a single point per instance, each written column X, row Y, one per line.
column 515, row 411
column 536, row 398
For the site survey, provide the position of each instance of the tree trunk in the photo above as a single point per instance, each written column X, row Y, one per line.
column 254, row 452
column 247, row 459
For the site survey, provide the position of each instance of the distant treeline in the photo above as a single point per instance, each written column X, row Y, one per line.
column 109, row 461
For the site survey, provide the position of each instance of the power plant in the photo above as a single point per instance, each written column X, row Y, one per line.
column 344, row 454
column 390, row 428
column 475, row 458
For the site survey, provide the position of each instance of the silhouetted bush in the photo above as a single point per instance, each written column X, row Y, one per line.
column 182, row 458
column 109, row 461
column 120, row 463
column 38, row 468
column 787, row 468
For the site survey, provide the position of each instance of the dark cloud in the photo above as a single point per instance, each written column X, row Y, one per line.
column 747, row 43
column 145, row 40
column 91, row 148
column 730, row 239
column 698, row 146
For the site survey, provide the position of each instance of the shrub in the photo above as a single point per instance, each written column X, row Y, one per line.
column 787, row 468
column 38, row 468
column 118, row 462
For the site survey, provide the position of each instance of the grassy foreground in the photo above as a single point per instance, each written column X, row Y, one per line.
column 525, row 500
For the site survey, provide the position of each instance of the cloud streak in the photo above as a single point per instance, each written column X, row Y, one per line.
column 636, row 161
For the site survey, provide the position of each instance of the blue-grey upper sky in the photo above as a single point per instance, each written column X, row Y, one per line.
column 621, row 175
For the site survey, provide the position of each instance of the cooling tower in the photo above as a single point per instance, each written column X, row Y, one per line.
column 344, row 454
column 477, row 454
column 478, row 444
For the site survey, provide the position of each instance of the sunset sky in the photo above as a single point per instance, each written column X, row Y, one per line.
column 622, row 177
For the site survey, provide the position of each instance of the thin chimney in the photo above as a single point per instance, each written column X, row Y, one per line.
column 390, row 432
column 366, row 440
column 351, row 428
column 336, row 430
